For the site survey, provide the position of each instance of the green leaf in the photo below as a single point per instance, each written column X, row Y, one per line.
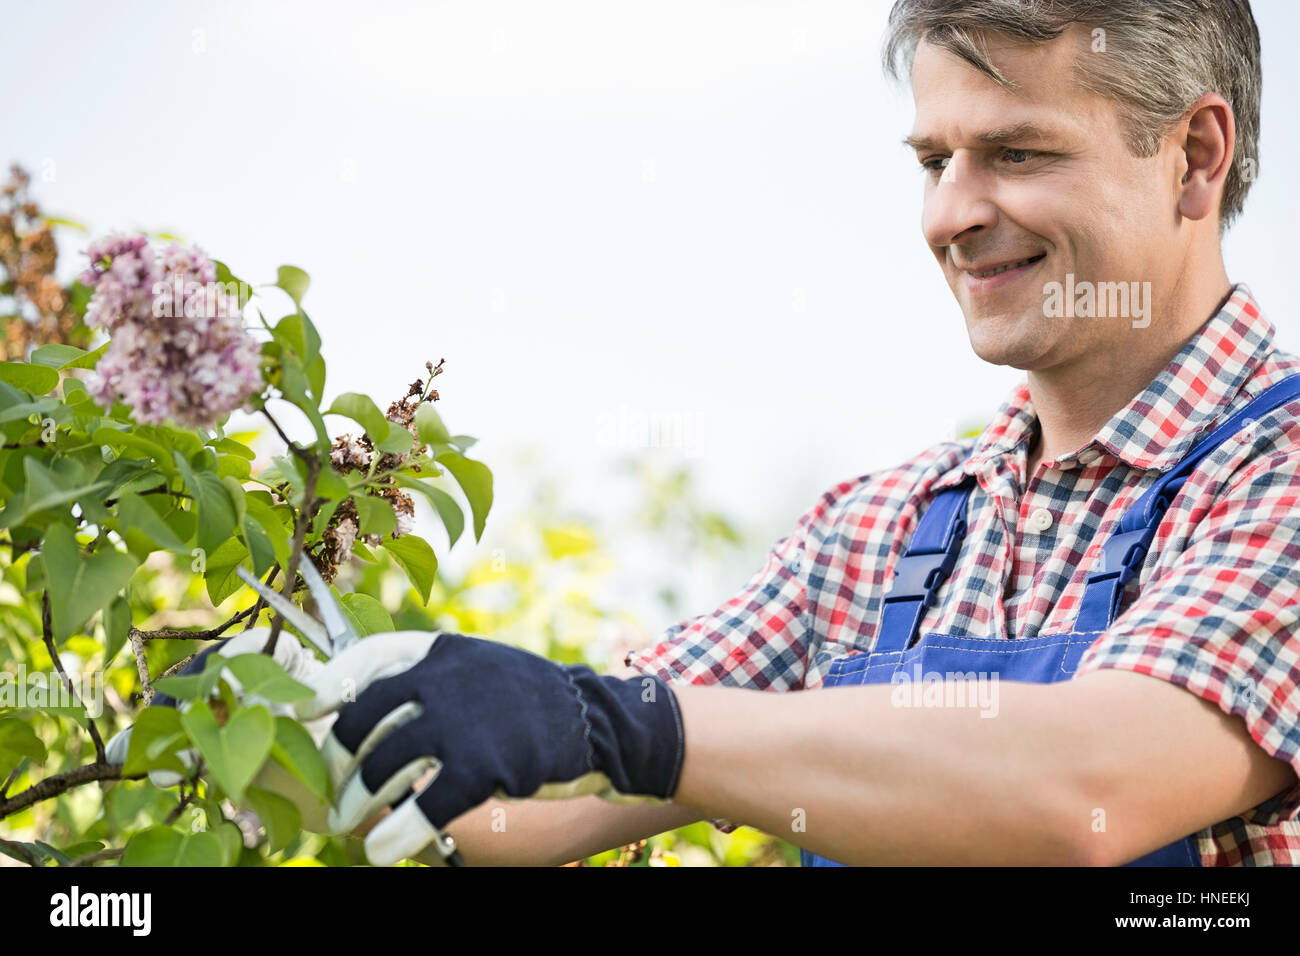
column 397, row 442
column 260, row 675
column 19, row 738
column 37, row 379
column 282, row 819
column 117, row 627
column 56, row 355
column 316, row 376
column 296, row 752
column 234, row 753
column 225, row 276
column 417, row 559
column 365, row 614
column 475, row 479
column 364, row 412
column 236, row 492
column 80, row 586
column 163, row 846
column 231, row 447
column 87, row 360
column 220, row 576
column 159, row 726
column 300, row 335
column 293, row 281
column 194, row 686
column 233, row 466
column 216, row 510
column 259, row 509
column 24, row 410
column 429, row 426
column 117, row 440
column 375, row 514
column 231, row 840
column 260, row 545
column 453, row 518
column 135, row 517
column 45, row 488
column 59, row 356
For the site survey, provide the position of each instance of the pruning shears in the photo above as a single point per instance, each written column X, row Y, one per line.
column 331, row 639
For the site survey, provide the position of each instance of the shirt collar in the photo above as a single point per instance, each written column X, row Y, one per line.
column 1157, row 428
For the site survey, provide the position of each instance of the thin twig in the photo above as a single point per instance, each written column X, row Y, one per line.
column 155, row 491
column 142, row 668
column 139, row 636
column 47, row 632
column 57, row 784
column 185, row 797
column 302, row 521
column 177, row 667
column 294, row 448
column 210, row 634
column 9, row 780
column 99, row 856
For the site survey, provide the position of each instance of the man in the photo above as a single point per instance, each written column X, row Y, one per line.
column 1153, row 712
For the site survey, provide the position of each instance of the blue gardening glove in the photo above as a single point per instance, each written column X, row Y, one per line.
column 487, row 720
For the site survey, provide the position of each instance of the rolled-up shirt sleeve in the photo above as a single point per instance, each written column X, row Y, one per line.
column 1221, row 618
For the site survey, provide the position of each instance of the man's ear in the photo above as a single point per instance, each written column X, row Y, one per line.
column 1209, row 141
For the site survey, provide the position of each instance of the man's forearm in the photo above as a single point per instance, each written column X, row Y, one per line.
column 1104, row 768
column 554, row 832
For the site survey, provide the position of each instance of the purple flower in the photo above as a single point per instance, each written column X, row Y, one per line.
column 178, row 351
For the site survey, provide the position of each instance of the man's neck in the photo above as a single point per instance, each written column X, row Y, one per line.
column 1073, row 402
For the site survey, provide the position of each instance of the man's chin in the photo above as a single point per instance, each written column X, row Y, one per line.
column 1004, row 343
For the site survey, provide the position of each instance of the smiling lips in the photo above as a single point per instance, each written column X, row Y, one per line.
column 988, row 271
column 992, row 275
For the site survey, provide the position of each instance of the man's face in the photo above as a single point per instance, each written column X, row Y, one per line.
column 1066, row 193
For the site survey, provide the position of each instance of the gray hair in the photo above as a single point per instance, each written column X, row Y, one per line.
column 1165, row 55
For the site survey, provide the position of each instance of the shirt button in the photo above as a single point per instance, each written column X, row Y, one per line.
column 1089, row 455
column 1040, row 520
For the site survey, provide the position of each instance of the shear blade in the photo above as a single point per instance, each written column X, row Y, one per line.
column 336, row 624
column 310, row 629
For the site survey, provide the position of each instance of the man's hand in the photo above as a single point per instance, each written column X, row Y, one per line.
column 486, row 719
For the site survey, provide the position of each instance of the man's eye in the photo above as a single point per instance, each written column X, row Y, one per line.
column 1018, row 157
column 932, row 165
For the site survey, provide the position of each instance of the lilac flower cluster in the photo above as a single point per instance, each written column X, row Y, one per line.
column 178, row 350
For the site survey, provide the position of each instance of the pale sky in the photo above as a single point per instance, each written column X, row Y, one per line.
column 600, row 213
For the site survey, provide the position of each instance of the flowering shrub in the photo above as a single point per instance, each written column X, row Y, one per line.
column 124, row 499
column 179, row 350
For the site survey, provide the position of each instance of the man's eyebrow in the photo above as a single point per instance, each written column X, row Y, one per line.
column 1018, row 133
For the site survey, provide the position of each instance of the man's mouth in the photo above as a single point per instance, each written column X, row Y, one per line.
column 989, row 277
column 989, row 272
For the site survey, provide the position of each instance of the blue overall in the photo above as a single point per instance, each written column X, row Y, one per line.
column 1048, row 658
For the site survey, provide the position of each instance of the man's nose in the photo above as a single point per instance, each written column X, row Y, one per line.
column 958, row 204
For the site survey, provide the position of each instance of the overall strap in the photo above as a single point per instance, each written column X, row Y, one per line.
column 1126, row 548
column 923, row 567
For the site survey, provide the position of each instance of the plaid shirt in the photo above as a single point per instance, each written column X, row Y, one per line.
column 1214, row 609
